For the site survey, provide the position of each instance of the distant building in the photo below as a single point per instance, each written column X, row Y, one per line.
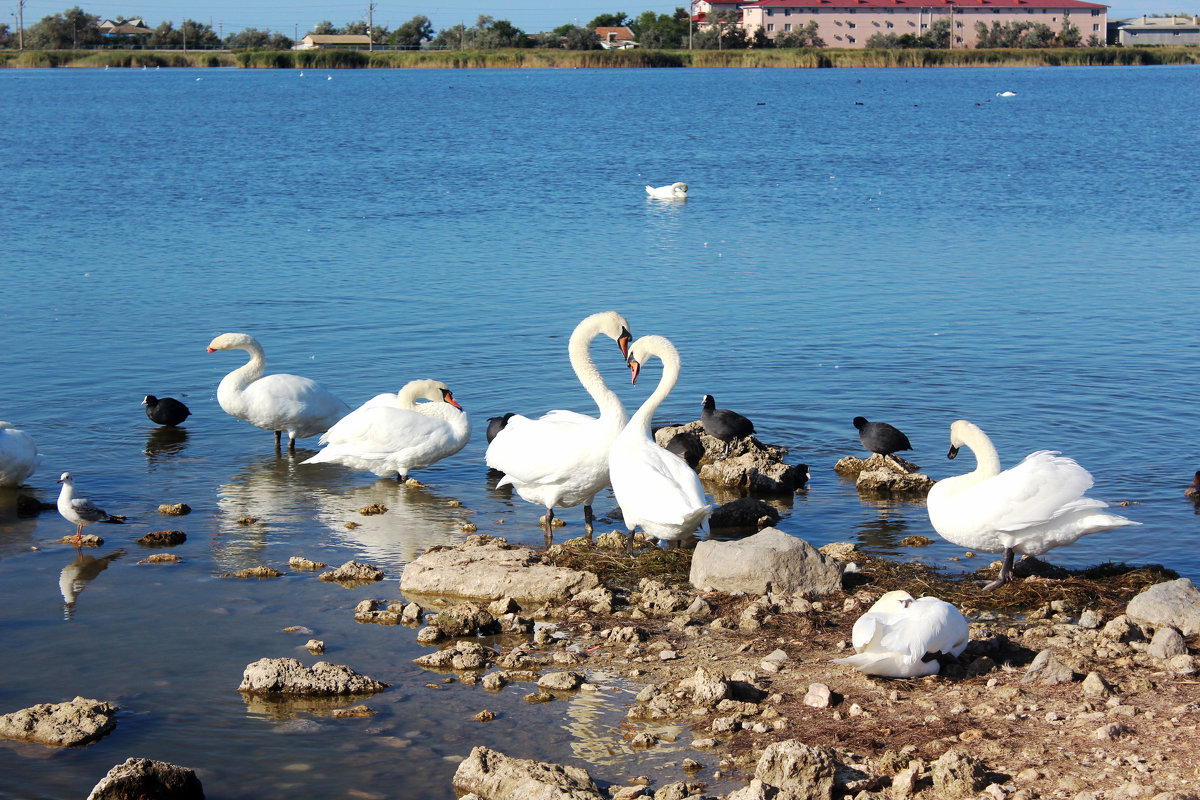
column 121, row 27
column 1160, row 30
column 850, row 23
column 334, row 41
column 616, row 38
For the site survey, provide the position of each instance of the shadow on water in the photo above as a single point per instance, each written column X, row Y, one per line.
column 76, row 575
column 883, row 534
column 161, row 442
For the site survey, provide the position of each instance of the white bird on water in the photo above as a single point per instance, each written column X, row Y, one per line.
column 80, row 510
column 676, row 191
column 281, row 402
column 18, row 455
column 654, row 487
column 900, row 637
column 1030, row 508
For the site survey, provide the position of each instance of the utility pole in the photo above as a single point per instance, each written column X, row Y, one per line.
column 21, row 25
column 371, row 26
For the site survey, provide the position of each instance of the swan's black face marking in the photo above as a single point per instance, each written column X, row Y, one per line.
column 953, row 452
column 449, row 398
column 623, row 341
column 634, row 367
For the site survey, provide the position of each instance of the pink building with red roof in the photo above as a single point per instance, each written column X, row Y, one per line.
column 849, row 23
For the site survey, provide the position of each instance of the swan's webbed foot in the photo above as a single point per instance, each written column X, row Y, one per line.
column 588, row 519
column 1006, row 572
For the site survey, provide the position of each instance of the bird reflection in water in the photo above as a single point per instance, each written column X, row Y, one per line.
column 881, row 535
column 272, row 492
column 164, row 441
column 76, row 575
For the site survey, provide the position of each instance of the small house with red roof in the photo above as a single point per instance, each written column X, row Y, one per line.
column 620, row 38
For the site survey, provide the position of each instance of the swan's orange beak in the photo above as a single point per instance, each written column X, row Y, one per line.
column 449, row 398
column 209, row 349
column 635, row 367
column 623, row 341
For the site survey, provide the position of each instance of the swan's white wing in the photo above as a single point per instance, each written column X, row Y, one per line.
column 928, row 625
column 654, row 484
column 285, row 402
column 1043, row 486
column 549, row 449
column 560, row 415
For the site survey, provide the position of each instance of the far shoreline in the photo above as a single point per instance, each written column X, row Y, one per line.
column 807, row 58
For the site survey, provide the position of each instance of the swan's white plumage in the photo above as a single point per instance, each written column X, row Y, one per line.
column 675, row 191
column 18, row 455
column 279, row 402
column 560, row 459
column 655, row 488
column 1030, row 508
column 392, row 434
column 894, row 636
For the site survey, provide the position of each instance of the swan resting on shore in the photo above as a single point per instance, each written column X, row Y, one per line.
column 900, row 637
column 1029, row 509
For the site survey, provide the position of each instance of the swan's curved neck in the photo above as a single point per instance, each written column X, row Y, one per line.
column 249, row 372
column 987, row 460
column 669, row 357
column 579, row 351
column 408, row 394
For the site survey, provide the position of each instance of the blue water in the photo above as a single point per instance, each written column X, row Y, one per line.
column 900, row 244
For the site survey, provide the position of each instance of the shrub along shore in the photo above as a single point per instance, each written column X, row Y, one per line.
column 807, row 58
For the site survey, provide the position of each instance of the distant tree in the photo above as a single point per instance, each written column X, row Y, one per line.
column 937, row 35
column 722, row 33
column 580, row 38
column 806, row 36
column 412, row 33
column 198, row 35
column 64, row 30
column 501, row 33
column 453, row 38
column 357, row 28
column 324, row 28
column 617, row 20
column 262, row 40
column 1069, row 36
column 760, row 40
column 658, row 31
column 165, row 35
column 1095, row 41
column 4, row 35
column 488, row 34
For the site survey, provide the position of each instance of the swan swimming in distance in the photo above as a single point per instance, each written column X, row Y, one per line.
column 1029, row 509
column 900, row 637
column 393, row 434
column 280, row 402
column 676, row 191
column 560, row 459
column 655, row 488
column 18, row 455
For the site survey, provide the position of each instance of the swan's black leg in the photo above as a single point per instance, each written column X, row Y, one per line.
column 278, row 436
column 549, row 527
column 629, row 543
column 291, row 446
column 588, row 519
column 1006, row 571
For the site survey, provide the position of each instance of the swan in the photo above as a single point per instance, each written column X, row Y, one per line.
column 391, row 439
column 18, row 455
column 900, row 637
column 165, row 410
column 655, row 488
column 282, row 402
column 1030, row 508
column 1006, row 94
column 79, row 510
column 676, row 191
column 561, row 459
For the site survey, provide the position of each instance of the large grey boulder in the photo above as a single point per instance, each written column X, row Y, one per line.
column 485, row 569
column 60, row 724
column 1174, row 603
column 144, row 779
column 798, row 771
column 495, row 776
column 288, row 676
column 768, row 561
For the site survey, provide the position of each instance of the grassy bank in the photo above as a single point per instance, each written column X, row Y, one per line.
column 563, row 59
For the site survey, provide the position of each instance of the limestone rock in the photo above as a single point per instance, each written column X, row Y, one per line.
column 261, row 571
column 1167, row 643
column 768, row 561
column 1175, row 603
column 851, row 466
column 465, row 619
column 174, row 509
column 301, row 563
column 352, row 573
column 889, row 481
column 1047, row 670
column 798, row 771
column 1095, row 686
column 493, row 775
column 706, row 688
column 957, row 774
column 79, row 721
column 289, row 676
column 560, row 681
column 144, row 779
column 755, row 471
column 163, row 539
column 818, row 696
column 485, row 570
column 744, row 514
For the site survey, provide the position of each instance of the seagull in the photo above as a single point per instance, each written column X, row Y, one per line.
column 165, row 411
column 80, row 510
column 900, row 637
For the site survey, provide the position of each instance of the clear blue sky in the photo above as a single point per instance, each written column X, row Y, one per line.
column 530, row 16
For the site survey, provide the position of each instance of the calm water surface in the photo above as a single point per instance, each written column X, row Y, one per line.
column 899, row 244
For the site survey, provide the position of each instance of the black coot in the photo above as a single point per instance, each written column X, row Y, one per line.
column 722, row 423
column 167, row 411
column 496, row 424
column 879, row 437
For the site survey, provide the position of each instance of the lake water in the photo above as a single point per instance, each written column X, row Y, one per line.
column 900, row 244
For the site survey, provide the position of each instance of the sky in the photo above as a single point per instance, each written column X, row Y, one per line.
column 294, row 19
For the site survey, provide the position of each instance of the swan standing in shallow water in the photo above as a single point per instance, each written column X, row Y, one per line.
column 18, row 455
column 282, row 402
column 561, row 459
column 1030, row 508
column 676, row 191
column 391, row 434
column 655, row 488
column 900, row 637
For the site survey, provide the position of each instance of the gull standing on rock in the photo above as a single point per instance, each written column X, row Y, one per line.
column 900, row 637
column 80, row 510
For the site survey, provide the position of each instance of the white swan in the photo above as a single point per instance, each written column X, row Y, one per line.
column 282, row 402
column 1031, row 508
column 655, row 488
column 392, row 434
column 18, row 455
column 561, row 459
column 80, row 510
column 900, row 637
column 676, row 191
column 1006, row 94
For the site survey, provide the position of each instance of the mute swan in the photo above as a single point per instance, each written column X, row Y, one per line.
column 900, row 637
column 79, row 510
column 1006, row 94
column 18, row 455
column 165, row 411
column 722, row 423
column 881, row 438
column 282, row 402
column 393, row 440
column 655, row 488
column 561, row 459
column 1030, row 508
column 676, row 191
